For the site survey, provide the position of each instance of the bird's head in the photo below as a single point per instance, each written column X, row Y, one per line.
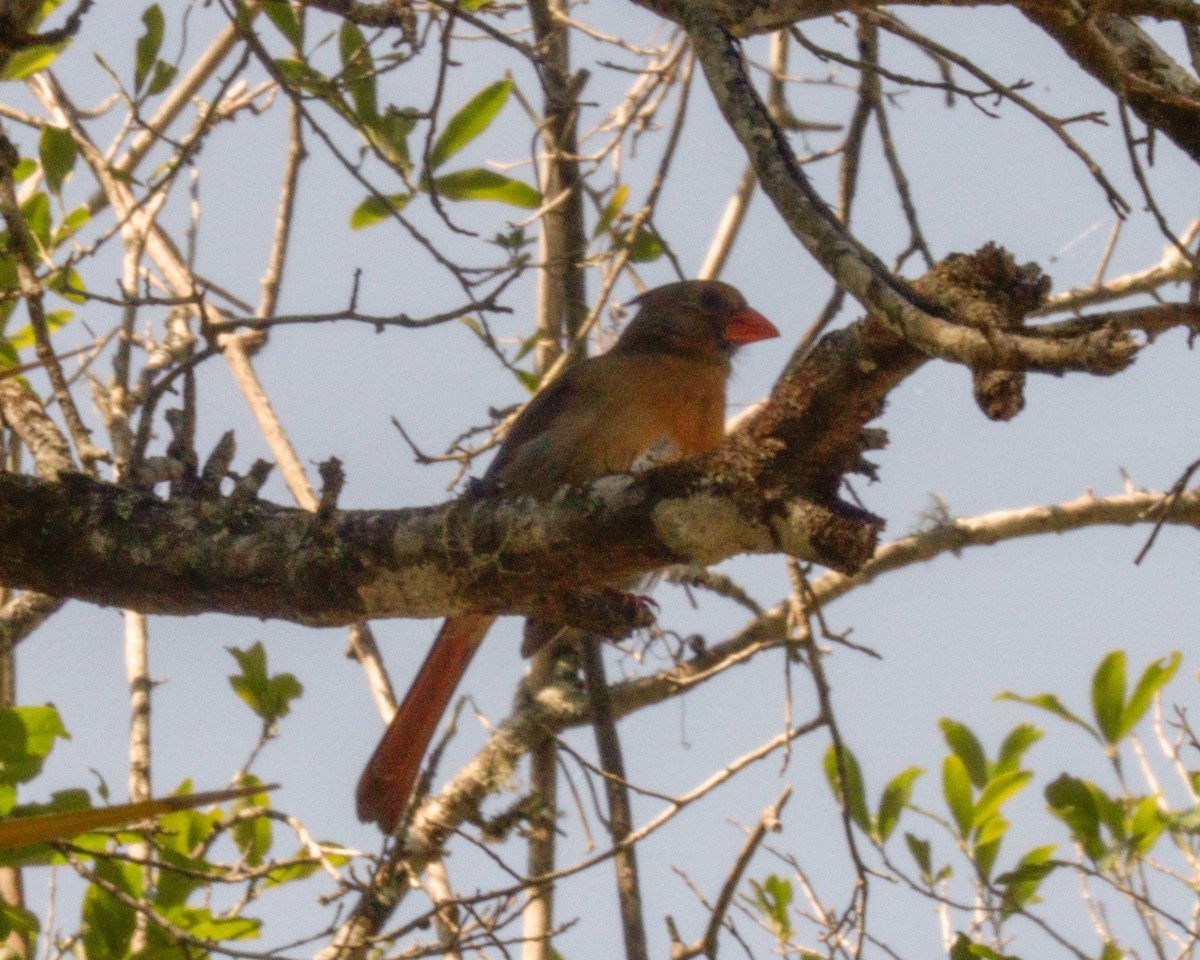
column 694, row 317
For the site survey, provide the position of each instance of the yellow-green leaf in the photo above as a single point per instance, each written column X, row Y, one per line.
column 358, row 71
column 148, row 45
column 56, row 149
column 477, row 183
column 850, row 792
column 612, row 209
column 1108, row 695
column 374, row 209
column 1149, row 683
column 280, row 13
column 23, row 63
column 956, row 789
column 469, row 122
column 894, row 799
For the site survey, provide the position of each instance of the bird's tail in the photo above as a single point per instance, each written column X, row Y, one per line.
column 391, row 773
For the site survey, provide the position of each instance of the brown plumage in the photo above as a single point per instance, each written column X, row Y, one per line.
column 663, row 380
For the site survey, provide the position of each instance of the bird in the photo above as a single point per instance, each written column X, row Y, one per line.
column 660, row 386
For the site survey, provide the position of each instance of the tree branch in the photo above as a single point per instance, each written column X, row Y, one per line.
column 114, row 546
column 1123, row 57
column 910, row 315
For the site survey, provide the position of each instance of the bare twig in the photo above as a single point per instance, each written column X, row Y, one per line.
column 22, row 245
column 767, row 822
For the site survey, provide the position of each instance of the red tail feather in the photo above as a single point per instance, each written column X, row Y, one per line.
column 391, row 774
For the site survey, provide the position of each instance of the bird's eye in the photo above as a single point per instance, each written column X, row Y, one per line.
column 711, row 301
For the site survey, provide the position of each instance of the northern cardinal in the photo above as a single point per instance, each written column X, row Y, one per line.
column 661, row 384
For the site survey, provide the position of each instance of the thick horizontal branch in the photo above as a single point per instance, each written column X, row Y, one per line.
column 114, row 546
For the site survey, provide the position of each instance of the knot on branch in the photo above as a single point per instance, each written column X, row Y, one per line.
column 986, row 289
column 989, row 291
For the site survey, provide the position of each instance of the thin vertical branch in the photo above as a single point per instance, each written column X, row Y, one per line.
column 273, row 276
column 138, row 672
column 729, row 227
column 233, row 347
column 538, row 913
column 12, row 892
column 445, row 920
column 22, row 244
column 561, row 312
column 562, row 298
column 620, row 823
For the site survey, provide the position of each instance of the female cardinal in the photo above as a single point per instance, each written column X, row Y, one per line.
column 661, row 385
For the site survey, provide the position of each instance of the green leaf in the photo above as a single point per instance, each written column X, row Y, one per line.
column 1051, row 704
column 1108, row 695
column 646, row 247
column 24, row 63
column 179, row 881
column 17, row 920
column 920, row 851
column 24, row 337
column 956, row 789
column 612, row 209
column 148, row 45
column 298, row 74
column 306, row 867
column 280, row 13
column 252, row 836
column 528, row 379
column 67, row 284
column 1072, row 802
column 358, row 71
column 36, row 211
column 389, row 134
column 469, row 122
column 26, row 737
column 1020, row 738
column 291, row 872
column 894, row 799
column 967, row 748
column 773, row 897
column 200, row 922
column 964, row 949
column 1153, row 678
column 164, row 74
column 268, row 696
column 1146, row 825
column 375, row 209
column 997, row 791
column 56, row 149
column 108, row 922
column 990, row 831
column 69, row 225
column 985, row 850
column 1021, row 883
column 477, row 183
column 853, row 795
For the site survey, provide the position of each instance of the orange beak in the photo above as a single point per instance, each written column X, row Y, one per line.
column 748, row 325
